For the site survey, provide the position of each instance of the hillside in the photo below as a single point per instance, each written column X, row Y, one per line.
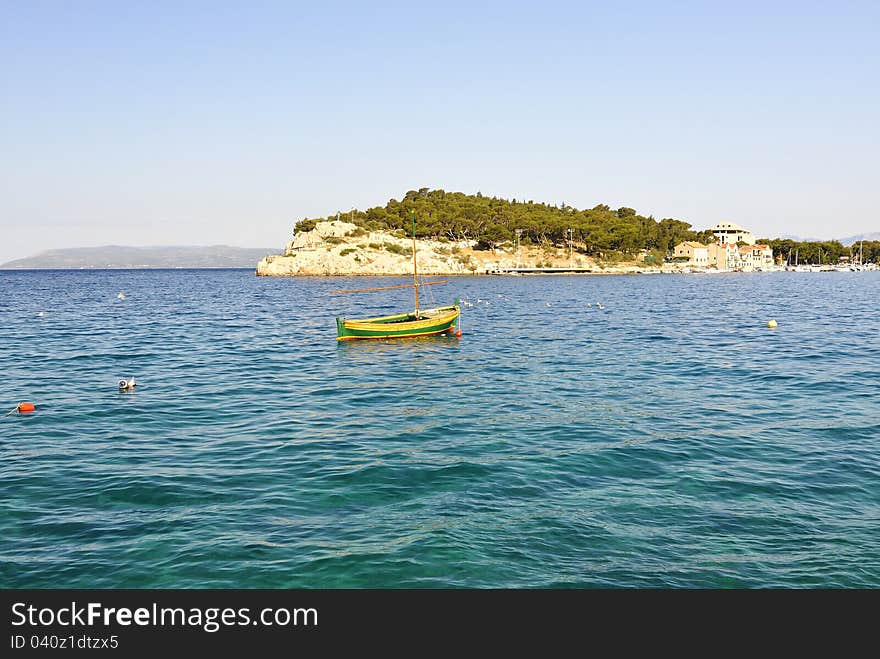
column 117, row 256
column 491, row 221
column 598, row 233
column 343, row 248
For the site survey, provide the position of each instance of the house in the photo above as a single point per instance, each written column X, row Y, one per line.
column 724, row 256
column 755, row 257
column 728, row 232
column 695, row 253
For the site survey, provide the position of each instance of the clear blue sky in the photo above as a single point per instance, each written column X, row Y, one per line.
column 196, row 123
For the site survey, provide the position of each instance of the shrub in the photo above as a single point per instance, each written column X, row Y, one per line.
column 375, row 245
column 394, row 248
column 347, row 251
column 334, row 240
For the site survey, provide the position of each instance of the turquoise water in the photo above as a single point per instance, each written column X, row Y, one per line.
column 668, row 440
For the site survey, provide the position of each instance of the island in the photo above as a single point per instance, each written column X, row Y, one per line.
column 459, row 233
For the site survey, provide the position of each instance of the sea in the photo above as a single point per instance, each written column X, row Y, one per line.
column 643, row 431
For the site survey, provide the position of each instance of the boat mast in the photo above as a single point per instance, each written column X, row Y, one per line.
column 415, row 268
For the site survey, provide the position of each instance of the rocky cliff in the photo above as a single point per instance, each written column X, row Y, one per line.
column 342, row 248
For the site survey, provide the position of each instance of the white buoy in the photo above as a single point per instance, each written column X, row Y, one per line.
column 772, row 323
column 127, row 385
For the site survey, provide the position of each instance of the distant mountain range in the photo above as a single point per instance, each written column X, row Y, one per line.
column 849, row 240
column 117, row 256
column 874, row 235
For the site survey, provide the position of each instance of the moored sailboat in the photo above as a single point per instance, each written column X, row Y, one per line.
column 420, row 322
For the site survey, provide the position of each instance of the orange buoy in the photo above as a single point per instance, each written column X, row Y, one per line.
column 458, row 334
column 26, row 407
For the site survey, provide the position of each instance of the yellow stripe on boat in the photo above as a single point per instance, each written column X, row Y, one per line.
column 377, row 324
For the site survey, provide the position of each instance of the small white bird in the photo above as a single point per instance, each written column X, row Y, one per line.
column 41, row 314
column 601, row 306
column 589, row 305
column 121, row 295
column 549, row 305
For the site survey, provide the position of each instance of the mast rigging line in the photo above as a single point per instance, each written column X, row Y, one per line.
column 386, row 288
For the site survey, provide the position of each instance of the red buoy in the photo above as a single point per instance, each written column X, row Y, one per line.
column 458, row 334
column 26, row 407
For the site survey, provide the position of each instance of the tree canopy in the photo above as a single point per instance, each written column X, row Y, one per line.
column 825, row 251
column 492, row 221
column 600, row 230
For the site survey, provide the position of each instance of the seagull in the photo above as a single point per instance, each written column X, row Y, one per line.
column 589, row 305
column 600, row 305
column 121, row 295
column 127, row 385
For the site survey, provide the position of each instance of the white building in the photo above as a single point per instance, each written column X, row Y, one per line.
column 728, row 232
column 755, row 257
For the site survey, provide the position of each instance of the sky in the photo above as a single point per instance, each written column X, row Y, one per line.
column 195, row 123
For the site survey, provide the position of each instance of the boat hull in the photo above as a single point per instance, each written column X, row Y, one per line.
column 430, row 322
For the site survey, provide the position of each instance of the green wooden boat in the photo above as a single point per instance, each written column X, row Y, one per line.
column 421, row 322
column 424, row 322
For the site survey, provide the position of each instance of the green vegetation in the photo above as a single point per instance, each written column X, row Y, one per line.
column 492, row 221
column 347, row 251
column 826, row 251
column 334, row 240
column 599, row 231
column 394, row 248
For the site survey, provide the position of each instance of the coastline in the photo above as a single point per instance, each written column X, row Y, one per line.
column 342, row 249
